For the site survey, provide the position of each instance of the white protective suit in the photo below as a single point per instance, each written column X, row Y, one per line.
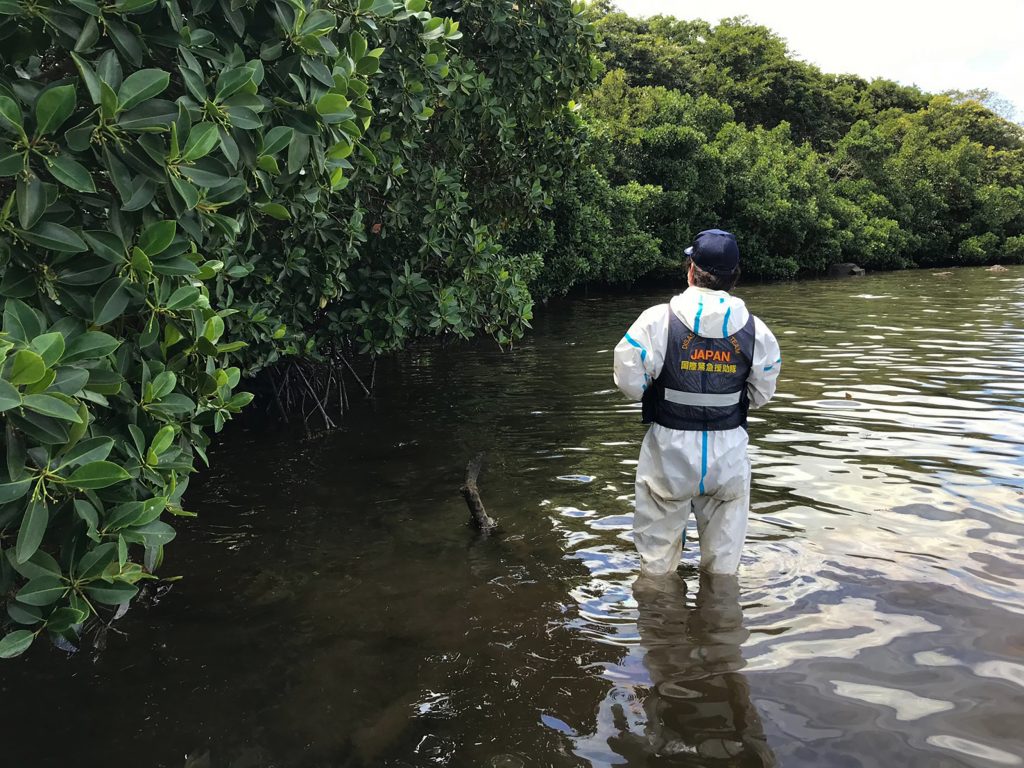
column 681, row 469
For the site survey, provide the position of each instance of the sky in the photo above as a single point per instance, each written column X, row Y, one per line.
column 937, row 45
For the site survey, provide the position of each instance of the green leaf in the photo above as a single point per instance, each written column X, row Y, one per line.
column 41, row 385
column 240, row 400
column 89, row 77
column 32, row 530
column 18, row 282
column 298, row 153
column 155, row 115
column 12, row 163
column 141, row 197
column 318, row 23
column 9, row 397
column 357, row 46
column 89, row 35
column 162, row 440
column 163, row 385
column 21, row 322
column 231, row 82
column 27, row 368
column 275, row 211
column 334, row 108
column 77, row 431
column 179, row 265
column 72, row 173
column 277, row 138
column 174, row 404
column 134, row 6
column 141, row 263
column 213, row 329
column 44, row 429
column 15, row 490
column 368, row 65
column 32, row 203
column 55, row 237
column 97, row 474
column 106, row 245
column 91, row 345
column 117, row 593
column 24, row 614
column 64, row 619
column 268, row 164
column 95, row 561
column 48, row 405
column 88, row 451
column 140, row 86
column 187, row 191
column 10, row 115
column 135, row 513
column 40, row 564
column 154, row 534
column 157, row 237
column 108, row 101
column 201, row 141
column 16, row 643
column 53, row 107
column 49, row 346
column 69, row 380
column 110, row 302
column 42, row 590
column 183, row 298
column 104, row 382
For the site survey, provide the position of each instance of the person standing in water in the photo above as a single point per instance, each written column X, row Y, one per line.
column 698, row 364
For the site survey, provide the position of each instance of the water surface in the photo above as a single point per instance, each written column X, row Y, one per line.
column 337, row 612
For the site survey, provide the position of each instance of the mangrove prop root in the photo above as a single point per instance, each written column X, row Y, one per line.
column 471, row 494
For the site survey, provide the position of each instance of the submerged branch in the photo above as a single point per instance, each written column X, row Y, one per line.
column 471, row 494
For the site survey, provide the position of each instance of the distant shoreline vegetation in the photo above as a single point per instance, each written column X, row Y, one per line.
column 695, row 125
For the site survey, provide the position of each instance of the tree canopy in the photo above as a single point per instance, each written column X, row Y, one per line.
column 193, row 193
column 721, row 125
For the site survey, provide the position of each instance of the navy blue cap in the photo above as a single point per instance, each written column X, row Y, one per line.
column 715, row 251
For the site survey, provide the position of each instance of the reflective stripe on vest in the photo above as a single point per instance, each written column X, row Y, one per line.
column 702, row 399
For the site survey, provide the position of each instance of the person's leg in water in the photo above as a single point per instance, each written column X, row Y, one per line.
column 665, row 486
column 724, row 507
column 721, row 530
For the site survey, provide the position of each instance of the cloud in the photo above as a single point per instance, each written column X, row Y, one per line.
column 938, row 46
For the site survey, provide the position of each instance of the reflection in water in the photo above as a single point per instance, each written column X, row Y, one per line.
column 696, row 709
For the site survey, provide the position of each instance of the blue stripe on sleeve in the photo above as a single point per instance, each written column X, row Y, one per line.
column 638, row 345
column 725, row 323
column 643, row 355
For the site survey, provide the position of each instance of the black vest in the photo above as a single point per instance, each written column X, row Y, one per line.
column 703, row 383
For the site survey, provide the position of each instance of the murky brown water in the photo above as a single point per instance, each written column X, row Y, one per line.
column 336, row 612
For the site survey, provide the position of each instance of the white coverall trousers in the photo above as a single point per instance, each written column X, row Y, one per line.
column 680, row 470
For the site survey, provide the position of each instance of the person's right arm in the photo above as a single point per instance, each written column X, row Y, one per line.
column 767, row 363
column 641, row 352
